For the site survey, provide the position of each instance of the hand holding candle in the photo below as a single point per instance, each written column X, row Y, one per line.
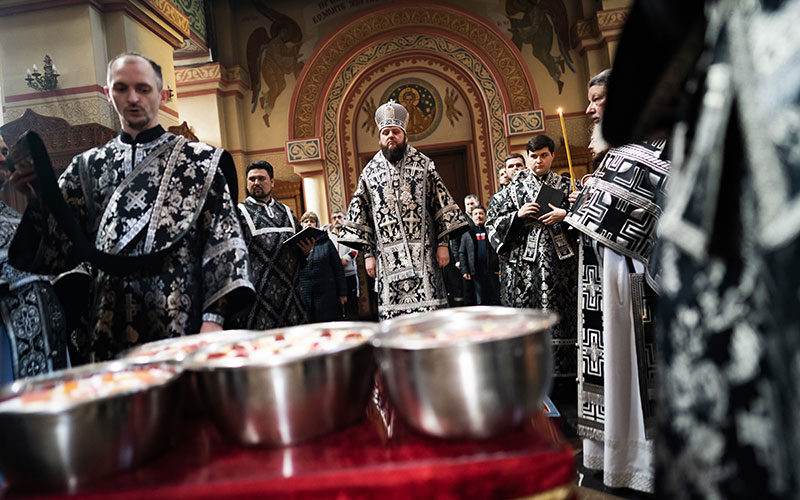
column 566, row 145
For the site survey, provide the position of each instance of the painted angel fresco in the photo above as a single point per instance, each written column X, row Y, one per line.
column 369, row 108
column 450, row 98
column 540, row 20
column 271, row 56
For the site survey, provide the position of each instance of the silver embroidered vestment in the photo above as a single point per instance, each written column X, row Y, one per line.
column 399, row 214
column 31, row 314
column 540, row 268
column 275, row 268
column 140, row 199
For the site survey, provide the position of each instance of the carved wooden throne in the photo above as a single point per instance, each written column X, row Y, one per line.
column 63, row 142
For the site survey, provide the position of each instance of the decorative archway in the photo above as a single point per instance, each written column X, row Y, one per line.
column 420, row 62
column 489, row 64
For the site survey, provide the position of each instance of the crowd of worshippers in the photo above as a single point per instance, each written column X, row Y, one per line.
column 224, row 265
column 197, row 260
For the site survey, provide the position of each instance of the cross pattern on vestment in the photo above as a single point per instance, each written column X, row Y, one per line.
column 136, row 200
column 386, row 224
column 411, row 219
column 594, row 290
column 130, row 308
column 594, row 351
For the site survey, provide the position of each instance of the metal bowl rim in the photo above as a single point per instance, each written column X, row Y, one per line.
column 22, row 386
column 387, row 338
column 132, row 355
column 191, row 363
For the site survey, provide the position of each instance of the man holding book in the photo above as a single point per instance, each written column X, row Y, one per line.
column 524, row 225
column 277, row 254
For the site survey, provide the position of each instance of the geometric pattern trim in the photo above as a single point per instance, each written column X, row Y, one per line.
column 194, row 10
column 463, row 57
column 303, row 150
column 526, row 122
column 171, row 15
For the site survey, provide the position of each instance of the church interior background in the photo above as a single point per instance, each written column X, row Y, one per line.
column 296, row 83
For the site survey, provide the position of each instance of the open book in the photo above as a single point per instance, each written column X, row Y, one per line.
column 309, row 232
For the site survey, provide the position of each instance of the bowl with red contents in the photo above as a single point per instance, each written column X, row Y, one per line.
column 68, row 427
column 469, row 372
column 176, row 350
column 288, row 385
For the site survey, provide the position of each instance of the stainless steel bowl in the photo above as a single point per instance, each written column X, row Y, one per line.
column 467, row 372
column 179, row 348
column 287, row 399
column 176, row 350
column 63, row 444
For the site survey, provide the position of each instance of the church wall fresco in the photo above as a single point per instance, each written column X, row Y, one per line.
column 441, row 73
column 303, row 70
column 524, row 57
column 459, row 55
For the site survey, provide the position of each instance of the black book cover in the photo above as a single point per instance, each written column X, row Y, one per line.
column 548, row 195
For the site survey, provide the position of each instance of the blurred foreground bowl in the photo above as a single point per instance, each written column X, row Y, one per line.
column 65, row 428
column 469, row 372
column 289, row 385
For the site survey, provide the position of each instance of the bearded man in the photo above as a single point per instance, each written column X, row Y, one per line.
column 402, row 217
column 266, row 224
column 616, row 211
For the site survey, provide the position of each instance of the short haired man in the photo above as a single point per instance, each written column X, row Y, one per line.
column 617, row 211
column 266, row 224
column 402, row 216
column 514, row 163
column 348, row 257
column 466, row 287
column 502, row 178
column 542, row 267
column 479, row 260
column 144, row 192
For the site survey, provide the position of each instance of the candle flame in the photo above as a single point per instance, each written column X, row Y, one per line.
column 560, row 111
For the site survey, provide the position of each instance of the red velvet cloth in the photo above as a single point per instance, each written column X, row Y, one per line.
column 356, row 463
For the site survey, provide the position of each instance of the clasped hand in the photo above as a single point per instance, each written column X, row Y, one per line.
column 555, row 215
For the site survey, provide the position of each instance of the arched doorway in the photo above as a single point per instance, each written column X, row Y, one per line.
column 468, row 52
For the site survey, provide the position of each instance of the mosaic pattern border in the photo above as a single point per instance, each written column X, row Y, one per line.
column 493, row 46
column 303, row 150
column 526, row 122
column 351, row 71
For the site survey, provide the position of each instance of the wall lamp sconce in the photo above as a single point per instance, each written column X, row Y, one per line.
column 43, row 81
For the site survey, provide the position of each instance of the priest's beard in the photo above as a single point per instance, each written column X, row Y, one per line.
column 598, row 144
column 258, row 194
column 394, row 153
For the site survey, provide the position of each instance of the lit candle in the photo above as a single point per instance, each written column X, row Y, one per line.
column 566, row 145
column 29, row 72
column 54, row 68
column 35, row 70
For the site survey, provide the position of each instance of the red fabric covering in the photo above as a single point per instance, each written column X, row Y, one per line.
column 356, row 463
